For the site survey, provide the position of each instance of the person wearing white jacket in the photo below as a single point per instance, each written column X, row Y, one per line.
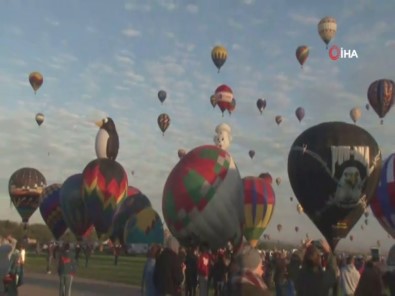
column 7, row 247
column 349, row 277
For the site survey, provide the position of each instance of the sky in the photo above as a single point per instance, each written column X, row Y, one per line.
column 110, row 58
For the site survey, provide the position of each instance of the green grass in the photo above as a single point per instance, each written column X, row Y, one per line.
column 101, row 267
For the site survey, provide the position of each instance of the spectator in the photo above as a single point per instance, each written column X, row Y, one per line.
column 349, row 277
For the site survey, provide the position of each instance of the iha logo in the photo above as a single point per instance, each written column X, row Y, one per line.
column 336, row 52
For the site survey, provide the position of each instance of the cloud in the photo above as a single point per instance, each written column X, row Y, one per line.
column 304, row 19
column 130, row 32
column 192, row 8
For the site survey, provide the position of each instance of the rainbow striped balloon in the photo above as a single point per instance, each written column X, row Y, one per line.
column 259, row 201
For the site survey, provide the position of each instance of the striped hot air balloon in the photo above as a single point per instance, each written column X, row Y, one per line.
column 302, row 53
column 383, row 203
column 219, row 54
column 203, row 199
column 259, row 201
column 51, row 212
column 145, row 227
column 327, row 28
column 75, row 214
column 224, row 98
column 105, row 185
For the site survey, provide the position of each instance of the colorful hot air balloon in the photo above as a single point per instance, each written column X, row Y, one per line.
column 302, row 53
column 39, row 118
column 327, row 28
column 181, row 153
column 224, row 98
column 334, row 169
column 25, row 188
column 278, row 181
column 261, row 105
column 163, row 122
column 203, row 199
column 36, row 80
column 383, row 203
column 381, row 96
column 219, row 55
column 131, row 205
column 299, row 112
column 145, row 227
column 259, row 202
column 213, row 101
column 105, row 185
column 267, row 177
column 251, row 153
column 74, row 212
column 355, row 114
column 51, row 212
column 162, row 96
column 278, row 119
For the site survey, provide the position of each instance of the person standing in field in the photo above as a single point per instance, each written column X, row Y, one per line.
column 147, row 285
column 66, row 270
column 87, row 253
column 16, row 270
column 49, row 256
column 168, row 273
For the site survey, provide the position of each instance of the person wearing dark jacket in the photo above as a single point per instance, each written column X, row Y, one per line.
column 371, row 281
column 191, row 273
column 169, row 270
column 219, row 274
column 312, row 278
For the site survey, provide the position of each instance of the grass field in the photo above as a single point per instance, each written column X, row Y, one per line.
column 101, row 267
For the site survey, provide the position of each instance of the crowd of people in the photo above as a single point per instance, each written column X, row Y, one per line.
column 310, row 270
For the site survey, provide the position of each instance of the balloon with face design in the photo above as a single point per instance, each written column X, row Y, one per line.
column 223, row 136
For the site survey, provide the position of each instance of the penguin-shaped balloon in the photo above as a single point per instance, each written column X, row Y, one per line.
column 107, row 141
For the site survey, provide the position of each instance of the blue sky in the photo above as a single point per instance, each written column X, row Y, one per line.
column 103, row 58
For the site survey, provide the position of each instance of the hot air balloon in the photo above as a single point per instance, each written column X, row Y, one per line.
column 291, row 198
column 362, row 227
column 131, row 205
column 302, row 53
column 367, row 106
column 163, row 122
column 73, row 209
column 259, row 202
column 39, row 118
column 162, row 96
column 355, row 114
column 383, row 203
column 51, row 212
column 251, row 153
column 278, row 119
column 378, row 243
column 224, row 98
column 107, row 140
column 219, row 55
column 213, row 101
column 279, row 227
column 366, row 214
column 232, row 106
column 278, row 181
column 36, row 80
column 381, row 95
column 351, row 238
column 296, row 228
column 145, row 227
column 327, row 28
column 334, row 169
column 25, row 188
column 261, row 105
column 105, row 185
column 181, row 153
column 299, row 112
column 203, row 199
column 366, row 222
column 267, row 177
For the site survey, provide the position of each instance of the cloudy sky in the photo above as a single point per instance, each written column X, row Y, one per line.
column 100, row 58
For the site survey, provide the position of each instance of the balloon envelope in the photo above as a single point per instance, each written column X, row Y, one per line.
column 203, row 199
column 334, row 169
column 302, row 53
column 73, row 209
column 163, row 122
column 267, row 177
column 25, row 188
column 51, row 212
column 162, row 96
column 39, row 118
column 36, row 79
column 145, row 227
column 381, row 96
column 299, row 112
column 219, row 54
column 105, row 185
column 259, row 202
column 261, row 105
